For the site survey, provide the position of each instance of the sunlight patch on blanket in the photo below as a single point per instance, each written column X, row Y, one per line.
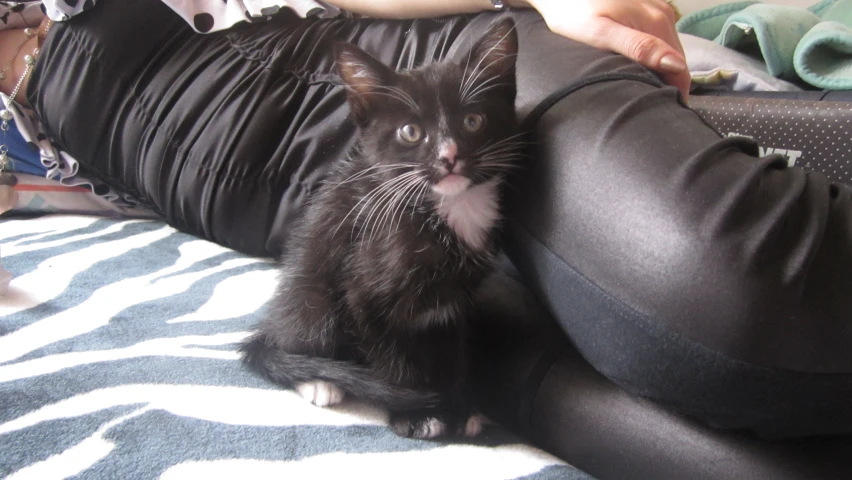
column 118, row 359
column 215, row 404
column 454, row 461
column 235, row 296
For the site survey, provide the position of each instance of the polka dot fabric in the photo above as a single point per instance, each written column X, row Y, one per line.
column 810, row 134
column 28, row 13
column 205, row 16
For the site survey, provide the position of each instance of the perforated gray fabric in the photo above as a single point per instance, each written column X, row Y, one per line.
column 810, row 134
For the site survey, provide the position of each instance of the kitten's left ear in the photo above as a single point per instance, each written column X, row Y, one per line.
column 363, row 75
column 496, row 51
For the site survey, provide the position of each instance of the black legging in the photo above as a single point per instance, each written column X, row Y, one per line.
column 682, row 267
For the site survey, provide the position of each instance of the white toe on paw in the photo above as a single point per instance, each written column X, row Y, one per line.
column 432, row 428
column 473, row 427
column 321, row 394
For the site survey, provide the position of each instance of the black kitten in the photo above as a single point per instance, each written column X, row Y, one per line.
column 378, row 284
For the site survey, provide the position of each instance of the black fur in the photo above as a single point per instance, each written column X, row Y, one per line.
column 377, row 288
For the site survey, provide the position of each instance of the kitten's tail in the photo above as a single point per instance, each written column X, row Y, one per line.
column 289, row 370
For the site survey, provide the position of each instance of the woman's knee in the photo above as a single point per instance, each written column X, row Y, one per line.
column 639, row 195
column 670, row 254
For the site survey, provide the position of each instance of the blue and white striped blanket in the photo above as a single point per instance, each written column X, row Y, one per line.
column 117, row 360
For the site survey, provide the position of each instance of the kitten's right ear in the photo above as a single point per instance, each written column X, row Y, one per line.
column 363, row 76
column 495, row 53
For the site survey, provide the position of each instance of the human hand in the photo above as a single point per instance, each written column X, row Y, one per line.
column 643, row 30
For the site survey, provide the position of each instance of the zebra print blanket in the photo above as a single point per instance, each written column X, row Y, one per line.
column 117, row 360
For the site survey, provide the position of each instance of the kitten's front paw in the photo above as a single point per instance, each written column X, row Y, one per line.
column 321, row 394
column 473, row 426
column 428, row 425
column 415, row 426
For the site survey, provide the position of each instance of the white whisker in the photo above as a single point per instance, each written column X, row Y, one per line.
column 390, row 204
column 508, row 140
column 365, row 200
column 504, row 150
column 413, row 189
column 482, row 89
column 386, row 194
column 398, row 94
column 366, row 172
column 465, row 97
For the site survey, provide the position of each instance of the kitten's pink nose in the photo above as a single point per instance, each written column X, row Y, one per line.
column 447, row 155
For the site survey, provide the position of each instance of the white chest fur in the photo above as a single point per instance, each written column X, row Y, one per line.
column 472, row 213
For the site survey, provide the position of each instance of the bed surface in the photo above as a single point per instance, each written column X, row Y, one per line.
column 118, row 360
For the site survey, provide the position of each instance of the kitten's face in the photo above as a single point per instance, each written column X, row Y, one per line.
column 443, row 127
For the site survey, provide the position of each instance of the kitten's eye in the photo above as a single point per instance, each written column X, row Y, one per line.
column 410, row 133
column 473, row 122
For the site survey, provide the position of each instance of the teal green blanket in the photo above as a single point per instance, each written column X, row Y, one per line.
column 813, row 44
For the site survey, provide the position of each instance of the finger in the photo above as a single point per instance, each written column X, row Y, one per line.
column 669, row 10
column 647, row 49
column 681, row 80
column 668, row 33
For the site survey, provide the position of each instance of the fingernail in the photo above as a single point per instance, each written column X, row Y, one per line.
column 672, row 64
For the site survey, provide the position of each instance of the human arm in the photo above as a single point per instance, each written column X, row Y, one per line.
column 643, row 30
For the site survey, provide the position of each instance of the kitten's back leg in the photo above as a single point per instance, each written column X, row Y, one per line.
column 440, row 355
column 433, row 423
